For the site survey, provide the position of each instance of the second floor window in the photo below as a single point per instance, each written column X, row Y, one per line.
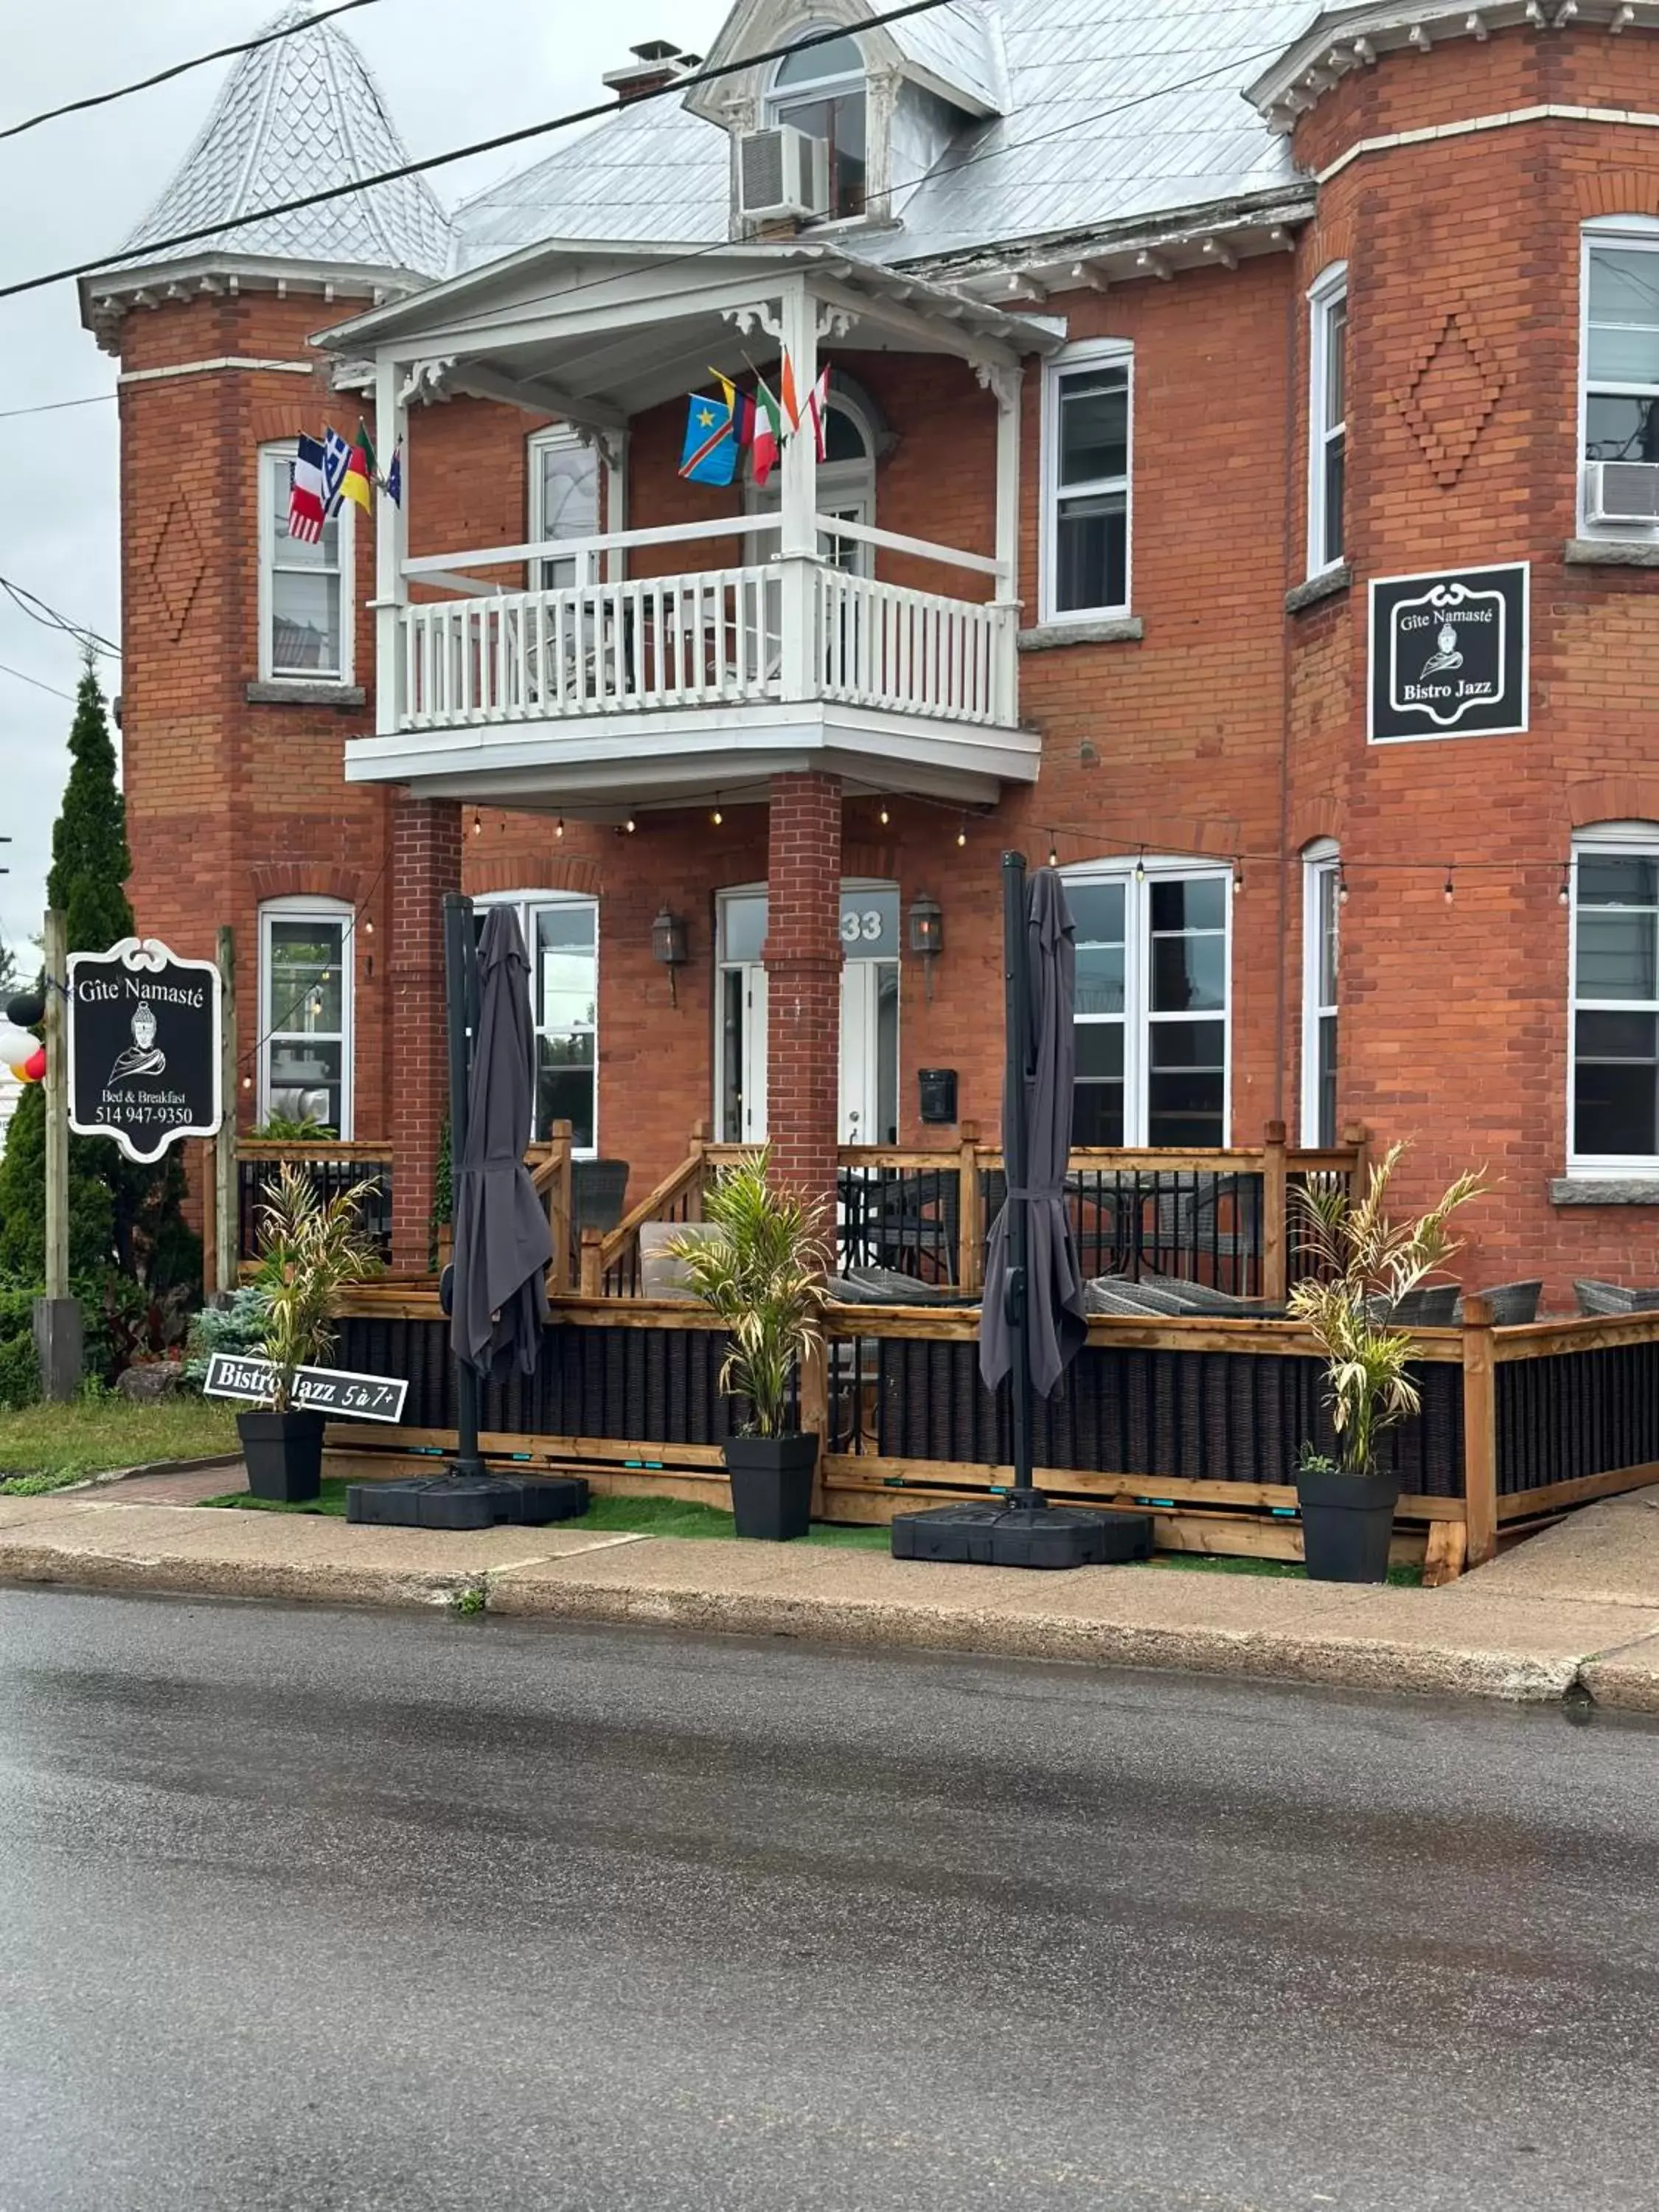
column 1327, row 412
column 1152, row 966
column 1620, row 373
column 820, row 90
column 305, row 597
column 1086, row 487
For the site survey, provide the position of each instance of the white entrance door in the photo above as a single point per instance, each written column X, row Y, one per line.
column 743, row 1054
column 859, row 1052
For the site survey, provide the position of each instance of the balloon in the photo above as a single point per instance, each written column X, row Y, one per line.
column 27, row 1011
column 35, row 1068
column 17, row 1045
column 18, row 1070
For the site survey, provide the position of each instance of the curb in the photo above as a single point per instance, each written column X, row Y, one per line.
column 1326, row 1661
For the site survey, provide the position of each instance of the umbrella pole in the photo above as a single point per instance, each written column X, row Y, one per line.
column 1016, row 1154
column 461, row 1014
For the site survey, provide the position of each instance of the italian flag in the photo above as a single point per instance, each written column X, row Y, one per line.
column 767, row 441
column 359, row 478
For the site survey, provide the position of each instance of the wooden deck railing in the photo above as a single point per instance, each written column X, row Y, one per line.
column 333, row 1166
column 1198, row 1423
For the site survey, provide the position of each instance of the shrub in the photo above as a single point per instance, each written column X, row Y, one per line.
column 239, row 1325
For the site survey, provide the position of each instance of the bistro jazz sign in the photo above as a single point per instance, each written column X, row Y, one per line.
column 143, row 1047
column 1448, row 654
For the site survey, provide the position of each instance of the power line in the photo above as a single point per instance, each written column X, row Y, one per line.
column 177, row 69
column 35, row 680
column 56, row 406
column 134, row 255
column 32, row 604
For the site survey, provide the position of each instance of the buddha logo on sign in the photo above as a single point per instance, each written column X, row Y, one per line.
column 143, row 1047
column 1448, row 654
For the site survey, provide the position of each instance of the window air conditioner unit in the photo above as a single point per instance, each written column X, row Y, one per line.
column 1622, row 491
column 783, row 172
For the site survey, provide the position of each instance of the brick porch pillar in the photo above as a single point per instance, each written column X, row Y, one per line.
column 803, row 971
column 426, row 862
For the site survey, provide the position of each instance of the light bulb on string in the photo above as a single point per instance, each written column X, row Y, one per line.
column 368, row 925
column 1054, row 851
column 558, row 826
column 247, row 1083
column 961, row 835
column 1239, row 875
column 1564, row 894
column 1449, row 890
column 717, row 817
column 886, row 816
column 1341, row 885
column 477, row 823
column 628, row 825
column 1140, row 866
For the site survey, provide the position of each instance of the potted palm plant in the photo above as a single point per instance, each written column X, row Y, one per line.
column 758, row 1260
column 309, row 1249
column 1363, row 1265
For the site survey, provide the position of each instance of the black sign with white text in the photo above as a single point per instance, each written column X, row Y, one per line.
column 1448, row 654
column 143, row 1047
column 333, row 1390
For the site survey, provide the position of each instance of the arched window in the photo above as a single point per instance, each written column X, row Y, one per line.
column 820, row 90
column 1613, row 1106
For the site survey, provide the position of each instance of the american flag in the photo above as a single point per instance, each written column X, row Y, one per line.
column 306, row 508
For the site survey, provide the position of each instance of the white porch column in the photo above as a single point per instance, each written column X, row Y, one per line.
column 390, row 546
column 613, row 457
column 798, row 499
column 1005, row 380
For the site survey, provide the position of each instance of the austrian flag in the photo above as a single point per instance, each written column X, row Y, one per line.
column 305, row 502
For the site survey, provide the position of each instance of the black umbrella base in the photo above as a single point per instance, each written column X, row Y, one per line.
column 1023, row 1536
column 451, row 1501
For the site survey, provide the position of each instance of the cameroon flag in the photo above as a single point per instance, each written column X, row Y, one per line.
column 359, row 478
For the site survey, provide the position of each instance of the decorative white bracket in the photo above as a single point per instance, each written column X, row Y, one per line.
column 609, row 445
column 1001, row 379
column 748, row 319
column 428, row 380
column 835, row 322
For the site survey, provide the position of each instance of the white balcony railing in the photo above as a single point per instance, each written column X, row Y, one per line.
column 716, row 637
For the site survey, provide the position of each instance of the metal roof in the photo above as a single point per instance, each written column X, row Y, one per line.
column 297, row 117
column 961, row 47
column 1115, row 110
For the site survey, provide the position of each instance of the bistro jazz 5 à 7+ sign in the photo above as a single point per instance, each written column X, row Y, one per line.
column 143, row 1047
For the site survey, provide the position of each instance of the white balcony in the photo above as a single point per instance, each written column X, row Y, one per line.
column 620, row 689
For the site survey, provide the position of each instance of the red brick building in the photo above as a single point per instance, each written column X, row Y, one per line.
column 1159, row 346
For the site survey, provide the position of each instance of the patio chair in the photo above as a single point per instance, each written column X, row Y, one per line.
column 1615, row 1298
column 661, row 1275
column 598, row 1190
column 886, row 1286
column 1512, row 1303
column 912, row 1218
column 1120, row 1295
column 1204, row 1298
column 1420, row 1308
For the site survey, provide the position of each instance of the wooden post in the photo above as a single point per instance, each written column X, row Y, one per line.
column 1357, row 1136
column 558, row 1210
column 701, row 1133
column 56, row 943
column 815, row 1416
column 592, row 1277
column 1480, row 1430
column 227, row 1212
column 970, row 1213
column 1275, row 1222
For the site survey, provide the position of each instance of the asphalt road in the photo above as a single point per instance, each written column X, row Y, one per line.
column 303, row 1911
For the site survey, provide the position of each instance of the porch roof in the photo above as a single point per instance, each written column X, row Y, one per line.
column 596, row 332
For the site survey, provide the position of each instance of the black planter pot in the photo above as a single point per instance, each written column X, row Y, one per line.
column 284, row 1455
column 1346, row 1522
column 771, row 1485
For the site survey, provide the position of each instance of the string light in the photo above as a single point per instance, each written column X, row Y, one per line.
column 961, row 835
column 1140, row 865
column 717, row 817
column 1565, row 892
column 1341, row 885
column 368, row 925
column 886, row 816
column 628, row 825
column 477, row 823
column 247, row 1083
column 1239, row 875
column 1450, row 889
column 559, row 828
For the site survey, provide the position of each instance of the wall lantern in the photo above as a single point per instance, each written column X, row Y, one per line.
column 927, row 934
column 668, row 947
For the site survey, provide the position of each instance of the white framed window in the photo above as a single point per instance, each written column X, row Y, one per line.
column 562, row 937
column 1328, row 417
column 564, row 502
column 1153, row 1016
column 1619, row 375
column 1613, row 1101
column 306, row 1012
column 1321, row 910
column 305, row 591
column 820, row 90
column 1086, row 470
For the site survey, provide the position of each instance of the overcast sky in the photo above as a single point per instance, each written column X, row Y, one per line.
column 73, row 189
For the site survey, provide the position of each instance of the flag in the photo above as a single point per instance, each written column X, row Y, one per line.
column 741, row 408
column 336, row 456
column 710, row 453
column 787, row 390
column 767, row 440
column 817, row 406
column 394, row 476
column 359, row 478
column 304, row 498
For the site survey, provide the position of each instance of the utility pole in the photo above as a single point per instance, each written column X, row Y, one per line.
column 227, row 1224
column 58, row 1330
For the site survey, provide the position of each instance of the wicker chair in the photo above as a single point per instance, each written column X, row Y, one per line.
column 1429, row 1308
column 1614, row 1298
column 1512, row 1303
column 886, row 1286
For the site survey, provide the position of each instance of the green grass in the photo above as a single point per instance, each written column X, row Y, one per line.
column 44, row 1447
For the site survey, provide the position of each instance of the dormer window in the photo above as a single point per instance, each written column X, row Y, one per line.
column 819, row 90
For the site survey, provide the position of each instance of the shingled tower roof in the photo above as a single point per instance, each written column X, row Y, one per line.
column 294, row 117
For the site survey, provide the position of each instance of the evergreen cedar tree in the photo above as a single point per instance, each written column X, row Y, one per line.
column 123, row 1218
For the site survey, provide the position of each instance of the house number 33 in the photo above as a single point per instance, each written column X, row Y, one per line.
column 864, row 928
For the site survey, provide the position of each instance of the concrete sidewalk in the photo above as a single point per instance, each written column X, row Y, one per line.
column 1575, row 1610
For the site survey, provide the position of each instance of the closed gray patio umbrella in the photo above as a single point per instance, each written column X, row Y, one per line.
column 502, row 1242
